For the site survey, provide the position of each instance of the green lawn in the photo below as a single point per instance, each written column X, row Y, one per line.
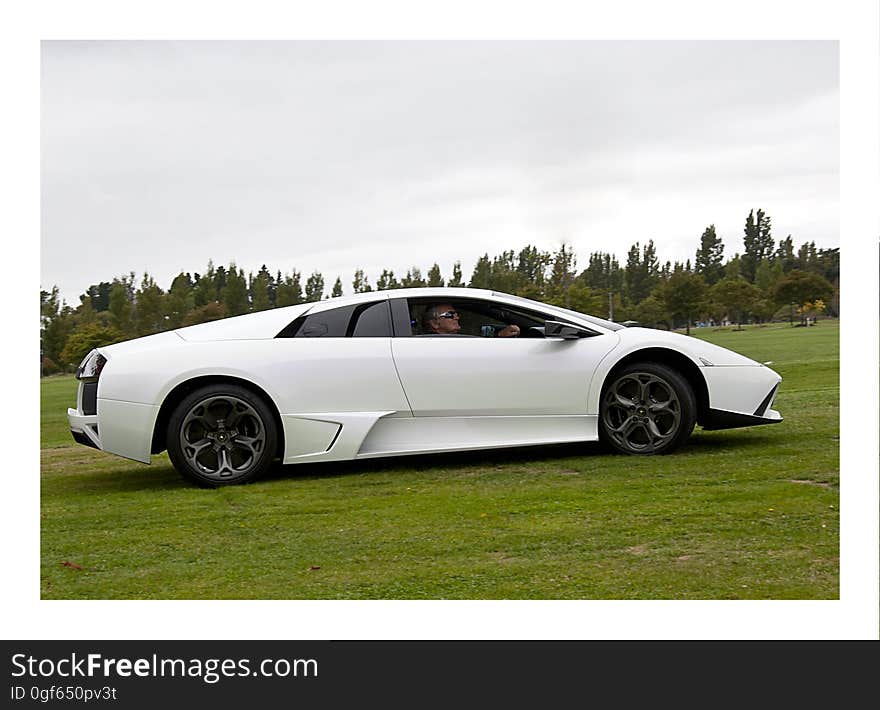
column 740, row 514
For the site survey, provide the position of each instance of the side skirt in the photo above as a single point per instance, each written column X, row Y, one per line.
column 394, row 436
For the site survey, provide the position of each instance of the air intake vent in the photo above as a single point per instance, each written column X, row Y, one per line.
column 759, row 412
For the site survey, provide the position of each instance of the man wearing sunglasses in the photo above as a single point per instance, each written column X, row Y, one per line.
column 443, row 319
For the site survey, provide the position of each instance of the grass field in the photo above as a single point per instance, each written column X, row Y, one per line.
column 739, row 514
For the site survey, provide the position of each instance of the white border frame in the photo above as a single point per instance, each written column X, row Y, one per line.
column 855, row 24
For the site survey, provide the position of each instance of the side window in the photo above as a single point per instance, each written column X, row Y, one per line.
column 326, row 324
column 366, row 320
column 465, row 317
column 371, row 320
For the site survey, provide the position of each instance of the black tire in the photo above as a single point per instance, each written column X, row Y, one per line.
column 221, row 435
column 646, row 408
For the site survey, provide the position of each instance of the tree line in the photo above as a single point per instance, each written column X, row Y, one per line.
column 765, row 281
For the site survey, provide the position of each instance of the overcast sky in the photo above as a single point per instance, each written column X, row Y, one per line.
column 333, row 156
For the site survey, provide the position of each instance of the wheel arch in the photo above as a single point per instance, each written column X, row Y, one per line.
column 181, row 390
column 671, row 358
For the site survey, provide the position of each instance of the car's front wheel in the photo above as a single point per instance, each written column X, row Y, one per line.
column 647, row 408
column 221, row 435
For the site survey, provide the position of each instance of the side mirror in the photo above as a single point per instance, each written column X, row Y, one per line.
column 555, row 329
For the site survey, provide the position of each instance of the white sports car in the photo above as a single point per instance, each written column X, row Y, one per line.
column 406, row 371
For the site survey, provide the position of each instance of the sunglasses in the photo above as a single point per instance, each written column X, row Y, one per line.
column 448, row 314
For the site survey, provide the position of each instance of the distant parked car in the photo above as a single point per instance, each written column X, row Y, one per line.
column 370, row 375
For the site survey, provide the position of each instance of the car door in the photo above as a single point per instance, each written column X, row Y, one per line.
column 465, row 376
column 337, row 359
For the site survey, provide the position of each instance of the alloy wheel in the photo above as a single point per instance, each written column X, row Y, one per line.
column 222, row 437
column 641, row 412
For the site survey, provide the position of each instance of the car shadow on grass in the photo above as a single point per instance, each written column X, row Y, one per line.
column 716, row 442
column 162, row 476
column 444, row 460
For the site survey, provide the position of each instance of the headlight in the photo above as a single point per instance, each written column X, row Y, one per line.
column 89, row 369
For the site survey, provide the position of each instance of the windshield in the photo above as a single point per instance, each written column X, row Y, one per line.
column 607, row 324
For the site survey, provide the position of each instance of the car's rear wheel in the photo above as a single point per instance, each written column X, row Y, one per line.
column 647, row 408
column 221, row 435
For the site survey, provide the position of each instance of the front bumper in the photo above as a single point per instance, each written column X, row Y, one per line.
column 715, row 419
column 740, row 396
column 84, row 428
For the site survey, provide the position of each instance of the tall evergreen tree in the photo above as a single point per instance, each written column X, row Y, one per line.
column 709, row 261
column 829, row 261
column 314, row 287
column 632, row 275
column 276, row 283
column 360, row 283
column 49, row 305
column 205, row 289
column 121, row 308
column 271, row 284
column 604, row 276
column 220, row 280
column 482, row 276
column 642, row 272
column 504, row 275
column 386, row 281
column 149, row 307
column 785, row 254
column 179, row 300
column 259, row 288
column 456, row 281
column 733, row 268
column 603, row 273
column 764, row 275
column 234, row 294
column 289, row 291
column 757, row 243
column 99, row 296
column 434, row 277
column 531, row 266
column 56, row 325
column 337, row 288
column 413, row 278
column 808, row 258
column 562, row 276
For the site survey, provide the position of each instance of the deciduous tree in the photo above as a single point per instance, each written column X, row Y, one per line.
column 684, row 296
column 735, row 297
column 86, row 338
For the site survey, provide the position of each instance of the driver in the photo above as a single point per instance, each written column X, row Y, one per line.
column 443, row 319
